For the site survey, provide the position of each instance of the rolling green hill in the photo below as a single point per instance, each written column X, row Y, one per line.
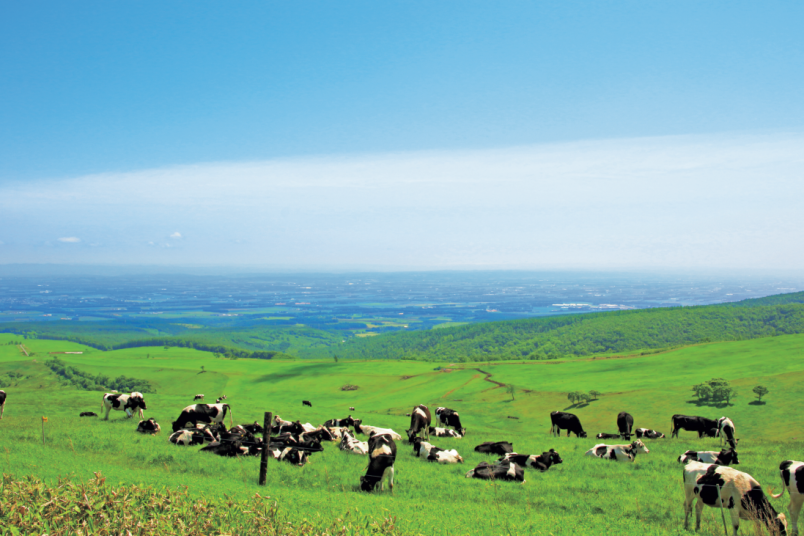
column 581, row 496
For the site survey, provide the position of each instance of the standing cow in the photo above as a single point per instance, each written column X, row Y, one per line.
column 792, row 473
column 702, row 425
column 127, row 403
column 625, row 423
column 420, row 420
column 208, row 413
column 450, row 417
column 2, row 402
column 566, row 421
column 382, row 455
column 726, row 431
column 717, row 486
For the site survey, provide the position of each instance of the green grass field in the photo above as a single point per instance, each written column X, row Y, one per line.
column 580, row 496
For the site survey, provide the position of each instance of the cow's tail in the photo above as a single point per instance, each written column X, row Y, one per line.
column 770, row 491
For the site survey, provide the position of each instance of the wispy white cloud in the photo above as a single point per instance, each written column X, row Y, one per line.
column 688, row 201
column 70, row 239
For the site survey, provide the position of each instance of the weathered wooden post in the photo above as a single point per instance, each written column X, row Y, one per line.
column 44, row 420
column 266, row 441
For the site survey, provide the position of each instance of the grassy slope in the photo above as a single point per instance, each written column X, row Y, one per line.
column 582, row 496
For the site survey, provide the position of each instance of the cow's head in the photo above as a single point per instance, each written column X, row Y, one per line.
column 639, row 446
column 582, row 434
column 553, row 456
column 368, row 482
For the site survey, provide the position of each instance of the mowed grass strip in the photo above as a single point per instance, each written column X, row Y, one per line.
column 581, row 496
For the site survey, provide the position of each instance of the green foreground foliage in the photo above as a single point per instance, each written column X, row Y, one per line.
column 581, row 496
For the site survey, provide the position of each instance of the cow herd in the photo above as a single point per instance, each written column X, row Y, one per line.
column 708, row 475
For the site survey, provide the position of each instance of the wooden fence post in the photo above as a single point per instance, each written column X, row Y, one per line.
column 266, row 441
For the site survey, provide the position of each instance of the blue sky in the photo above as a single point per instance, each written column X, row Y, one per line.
column 139, row 133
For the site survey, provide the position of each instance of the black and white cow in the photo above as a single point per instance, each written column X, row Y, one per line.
column 149, row 427
column 350, row 444
column 340, row 423
column 540, row 462
column 2, row 403
column 792, row 473
column 500, row 448
column 292, row 455
column 382, row 455
column 420, row 420
column 702, row 425
column 625, row 423
column 566, row 421
column 717, row 486
column 726, row 431
column 365, row 429
column 618, row 453
column 210, row 413
column 128, row 403
column 281, row 426
column 423, row 449
column 88, row 414
column 648, row 433
column 221, row 399
column 498, row 471
column 190, row 437
column 198, row 397
column 229, row 449
column 351, row 408
column 604, row 435
column 307, row 403
column 444, row 432
column 724, row 457
column 450, row 417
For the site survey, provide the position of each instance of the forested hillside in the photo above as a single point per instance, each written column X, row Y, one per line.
column 622, row 331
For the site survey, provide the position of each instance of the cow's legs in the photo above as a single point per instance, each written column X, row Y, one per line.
column 698, row 510
column 2, row 409
column 688, row 499
column 735, row 518
column 108, row 409
column 794, row 509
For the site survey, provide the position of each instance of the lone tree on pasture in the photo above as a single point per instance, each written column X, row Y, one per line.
column 594, row 394
column 760, row 391
column 511, row 390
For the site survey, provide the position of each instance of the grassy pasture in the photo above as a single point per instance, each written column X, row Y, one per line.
column 581, row 496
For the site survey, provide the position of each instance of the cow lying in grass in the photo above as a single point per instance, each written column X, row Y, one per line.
column 540, row 462
column 500, row 448
column 792, row 473
column 619, row 453
column 648, row 433
column 717, row 486
column 423, row 449
column 350, row 444
column 724, row 457
column 444, row 432
column 149, row 427
column 499, row 471
column 291, row 455
column 604, row 435
column 365, row 429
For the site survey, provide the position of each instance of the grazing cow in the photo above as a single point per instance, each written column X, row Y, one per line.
column 648, row 433
column 541, row 462
column 566, row 421
column 365, row 429
column 420, row 420
column 88, row 414
column 500, row 448
column 350, row 444
column 210, row 413
column 718, row 487
column 291, row 455
column 450, row 417
column 127, row 403
column 618, row 453
column 423, row 449
column 625, row 423
column 444, row 432
column 221, row 399
column 382, row 455
column 724, row 457
column 149, row 427
column 604, row 435
column 792, row 474
column 306, row 403
column 2, row 403
column 198, row 397
column 725, row 429
column 702, row 425
column 351, row 408
column 498, row 471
